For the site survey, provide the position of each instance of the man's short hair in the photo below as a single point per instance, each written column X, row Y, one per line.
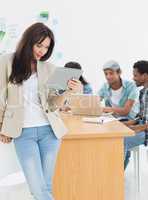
column 141, row 66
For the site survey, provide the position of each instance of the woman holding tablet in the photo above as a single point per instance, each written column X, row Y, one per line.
column 28, row 108
column 84, row 86
column 80, row 86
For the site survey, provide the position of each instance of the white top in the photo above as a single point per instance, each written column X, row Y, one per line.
column 116, row 96
column 33, row 111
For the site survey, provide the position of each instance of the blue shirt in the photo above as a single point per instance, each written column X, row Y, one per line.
column 129, row 91
column 87, row 89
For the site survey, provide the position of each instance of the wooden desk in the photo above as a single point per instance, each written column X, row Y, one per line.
column 90, row 161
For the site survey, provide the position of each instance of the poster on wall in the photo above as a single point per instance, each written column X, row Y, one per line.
column 10, row 32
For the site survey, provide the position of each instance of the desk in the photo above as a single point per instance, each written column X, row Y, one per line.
column 90, row 161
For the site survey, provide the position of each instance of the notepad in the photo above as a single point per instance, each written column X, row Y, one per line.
column 99, row 120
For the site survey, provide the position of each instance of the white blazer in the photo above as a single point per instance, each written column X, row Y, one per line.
column 11, row 100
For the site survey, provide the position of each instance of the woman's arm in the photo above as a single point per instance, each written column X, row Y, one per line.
column 3, row 96
column 3, row 87
column 56, row 101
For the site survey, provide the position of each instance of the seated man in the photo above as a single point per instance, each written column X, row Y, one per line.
column 121, row 96
column 140, row 125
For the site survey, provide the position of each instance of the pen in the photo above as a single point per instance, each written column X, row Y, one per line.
column 101, row 121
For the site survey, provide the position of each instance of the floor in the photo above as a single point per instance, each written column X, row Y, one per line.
column 130, row 186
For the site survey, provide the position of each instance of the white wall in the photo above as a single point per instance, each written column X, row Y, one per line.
column 92, row 32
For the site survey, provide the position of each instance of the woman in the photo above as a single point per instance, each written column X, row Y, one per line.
column 82, row 86
column 28, row 108
column 86, row 87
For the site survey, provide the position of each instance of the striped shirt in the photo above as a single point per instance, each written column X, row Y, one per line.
column 143, row 98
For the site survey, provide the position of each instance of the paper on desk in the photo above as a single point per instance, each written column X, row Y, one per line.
column 99, row 120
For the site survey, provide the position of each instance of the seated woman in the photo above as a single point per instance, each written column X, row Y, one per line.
column 86, row 88
column 80, row 86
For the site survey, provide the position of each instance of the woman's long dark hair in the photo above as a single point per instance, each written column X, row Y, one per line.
column 76, row 65
column 23, row 56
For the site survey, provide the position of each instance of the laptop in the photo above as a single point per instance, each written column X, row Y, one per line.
column 85, row 104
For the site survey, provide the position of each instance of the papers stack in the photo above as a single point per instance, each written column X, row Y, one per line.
column 99, row 120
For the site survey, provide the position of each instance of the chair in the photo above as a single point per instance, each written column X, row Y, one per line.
column 136, row 154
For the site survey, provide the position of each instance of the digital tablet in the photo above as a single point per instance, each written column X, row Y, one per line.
column 61, row 75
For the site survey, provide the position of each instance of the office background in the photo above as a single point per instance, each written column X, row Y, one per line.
column 90, row 32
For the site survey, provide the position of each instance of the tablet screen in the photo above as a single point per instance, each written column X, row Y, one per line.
column 61, row 75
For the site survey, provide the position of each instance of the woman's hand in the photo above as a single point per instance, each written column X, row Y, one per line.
column 65, row 109
column 5, row 139
column 75, row 86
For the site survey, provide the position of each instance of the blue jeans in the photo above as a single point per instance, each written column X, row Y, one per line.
column 37, row 150
column 129, row 143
